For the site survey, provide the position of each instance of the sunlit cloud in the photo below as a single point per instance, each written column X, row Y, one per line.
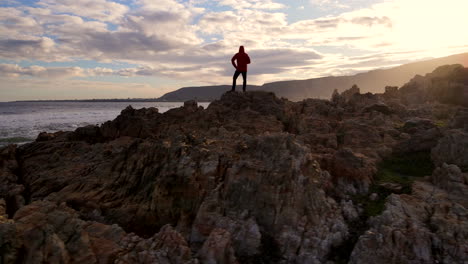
column 96, row 9
column 252, row 4
column 327, row 4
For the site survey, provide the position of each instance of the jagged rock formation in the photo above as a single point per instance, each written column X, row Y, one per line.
column 251, row 179
column 446, row 84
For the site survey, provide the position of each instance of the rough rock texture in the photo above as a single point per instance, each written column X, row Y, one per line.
column 11, row 189
column 218, row 248
column 460, row 120
column 251, row 179
column 214, row 170
column 391, row 91
column 452, row 149
column 44, row 232
column 423, row 135
column 348, row 94
column 429, row 226
column 446, row 84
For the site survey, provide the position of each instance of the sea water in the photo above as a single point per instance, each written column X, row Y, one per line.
column 21, row 122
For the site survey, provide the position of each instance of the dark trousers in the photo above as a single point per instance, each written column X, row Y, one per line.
column 234, row 78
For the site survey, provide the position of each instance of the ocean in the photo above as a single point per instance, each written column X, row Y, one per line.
column 21, row 122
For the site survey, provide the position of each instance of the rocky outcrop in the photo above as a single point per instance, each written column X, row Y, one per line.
column 451, row 179
column 218, row 248
column 429, row 226
column 45, row 232
column 460, row 120
column 452, row 149
column 12, row 191
column 349, row 94
column 421, row 135
column 217, row 176
column 446, row 84
column 251, row 179
column 132, row 122
column 391, row 91
column 379, row 107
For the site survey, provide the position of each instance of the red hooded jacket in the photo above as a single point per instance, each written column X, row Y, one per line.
column 242, row 60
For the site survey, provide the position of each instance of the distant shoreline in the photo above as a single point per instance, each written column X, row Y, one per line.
column 136, row 100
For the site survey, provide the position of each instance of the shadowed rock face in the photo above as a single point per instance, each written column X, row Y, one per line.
column 446, row 84
column 251, row 179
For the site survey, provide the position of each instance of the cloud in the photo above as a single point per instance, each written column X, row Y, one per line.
column 67, row 33
column 370, row 21
column 13, row 23
column 15, row 71
column 340, row 5
column 216, row 68
column 168, row 22
column 270, row 61
column 27, row 48
column 251, row 4
column 246, row 24
column 101, row 10
column 328, row 4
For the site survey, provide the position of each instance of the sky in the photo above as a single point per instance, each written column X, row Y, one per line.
column 80, row 49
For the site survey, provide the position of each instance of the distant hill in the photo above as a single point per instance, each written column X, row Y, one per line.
column 116, row 100
column 201, row 93
column 372, row 81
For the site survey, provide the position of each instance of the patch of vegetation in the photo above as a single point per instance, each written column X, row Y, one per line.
column 441, row 123
column 416, row 164
column 398, row 170
column 398, row 125
column 372, row 207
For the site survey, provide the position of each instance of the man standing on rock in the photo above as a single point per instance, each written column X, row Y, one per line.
column 241, row 67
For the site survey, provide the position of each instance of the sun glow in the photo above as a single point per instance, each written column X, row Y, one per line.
column 428, row 25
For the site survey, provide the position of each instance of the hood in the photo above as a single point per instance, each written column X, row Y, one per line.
column 241, row 49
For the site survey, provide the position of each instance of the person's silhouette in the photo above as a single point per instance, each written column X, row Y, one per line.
column 241, row 67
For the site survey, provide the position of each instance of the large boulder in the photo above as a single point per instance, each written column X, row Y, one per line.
column 131, row 122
